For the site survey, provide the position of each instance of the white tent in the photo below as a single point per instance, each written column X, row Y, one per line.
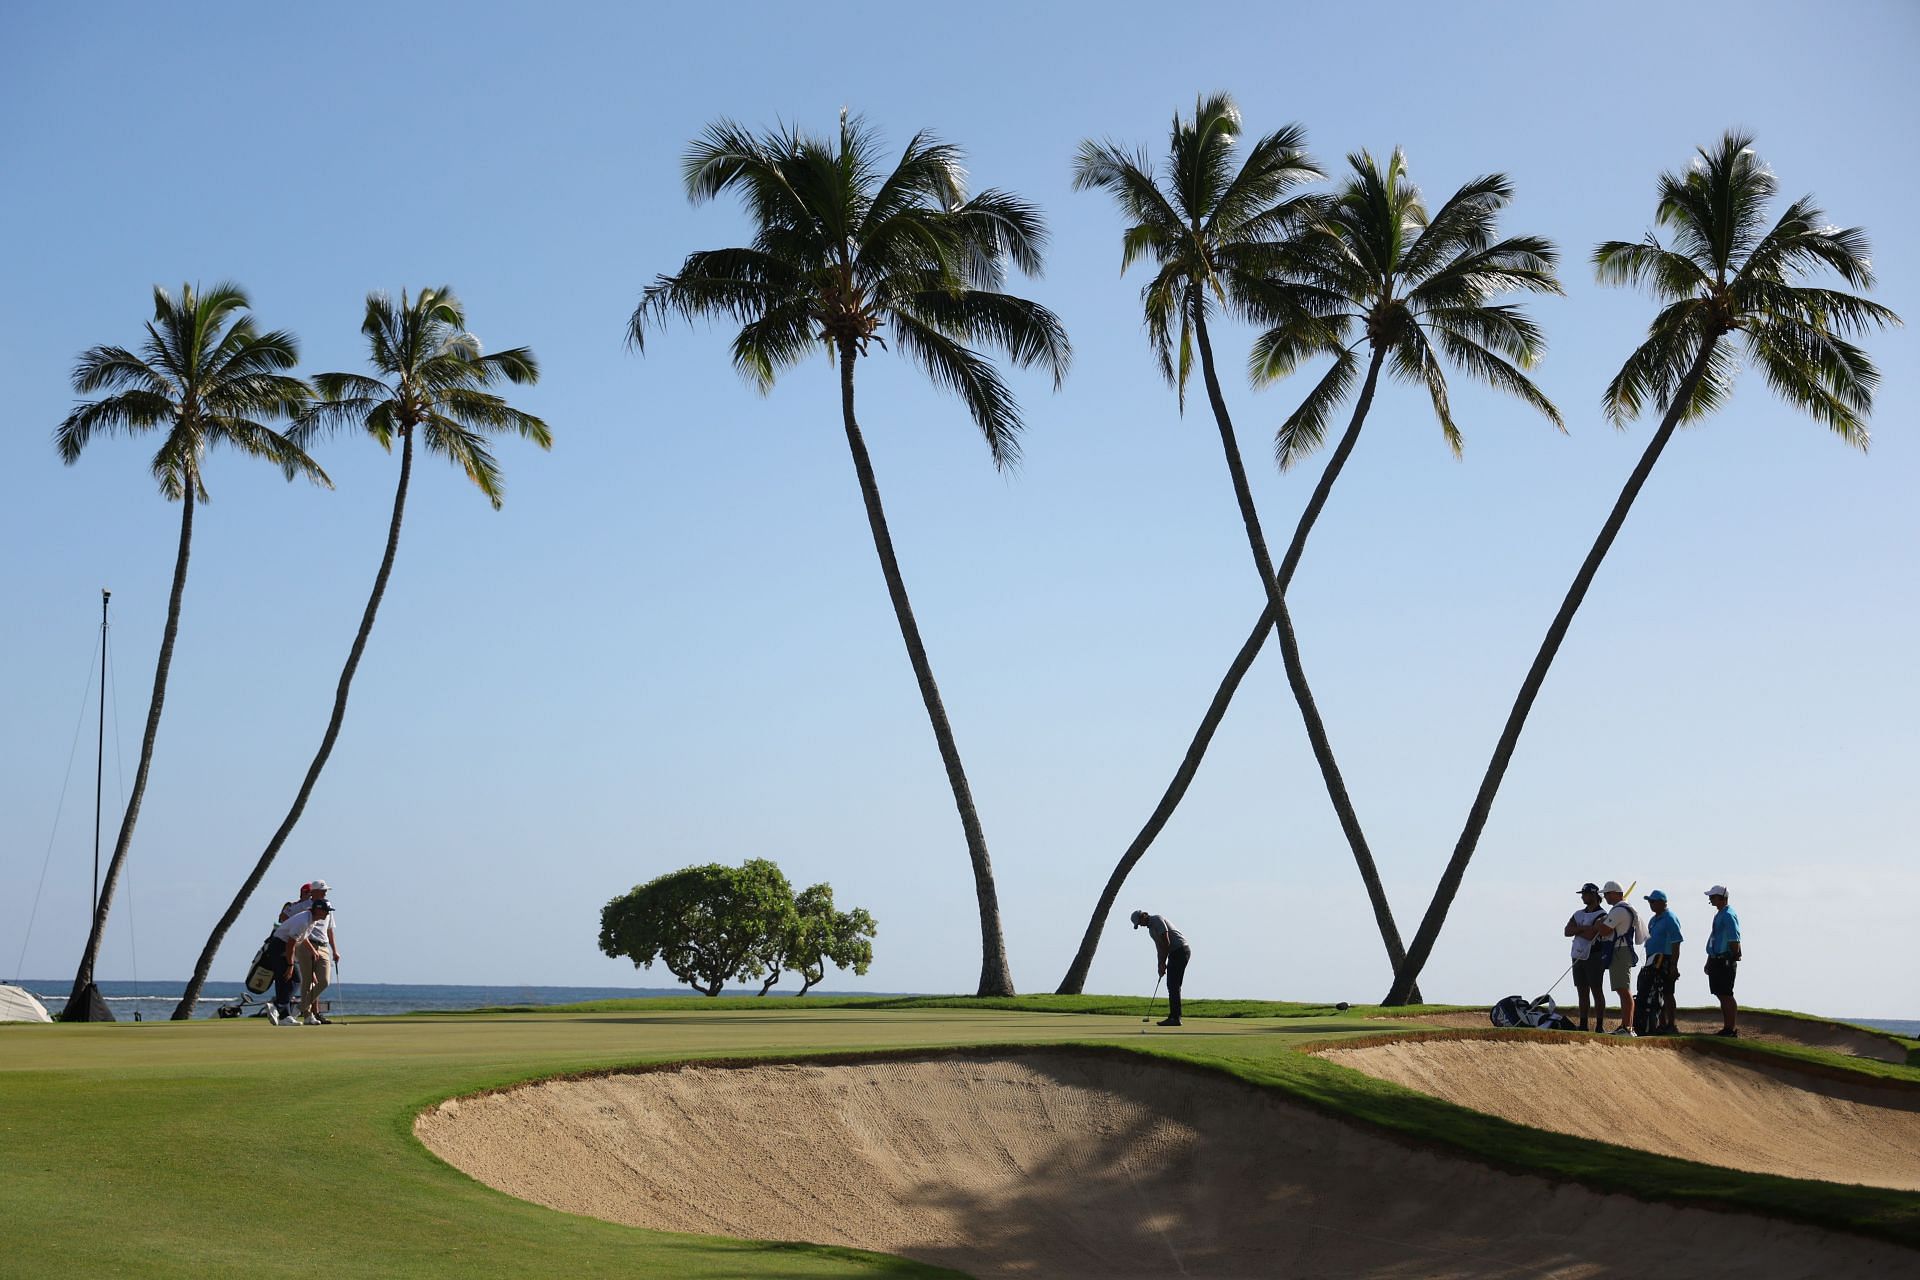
column 17, row 1005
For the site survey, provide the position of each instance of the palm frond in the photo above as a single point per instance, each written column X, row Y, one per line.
column 957, row 368
column 1306, row 427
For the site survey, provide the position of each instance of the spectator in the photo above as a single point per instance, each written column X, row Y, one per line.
column 1723, row 958
column 1663, row 955
column 1626, row 931
column 1589, row 967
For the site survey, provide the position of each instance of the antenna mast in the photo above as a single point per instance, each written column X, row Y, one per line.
column 100, row 751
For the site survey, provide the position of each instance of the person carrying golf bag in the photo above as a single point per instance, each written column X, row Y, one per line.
column 1174, row 953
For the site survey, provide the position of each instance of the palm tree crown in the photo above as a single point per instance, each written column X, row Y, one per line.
column 1409, row 283
column 205, row 376
column 1728, row 272
column 436, row 377
column 846, row 255
column 1215, row 232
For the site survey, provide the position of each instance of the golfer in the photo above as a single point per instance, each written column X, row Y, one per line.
column 1174, row 954
column 1723, row 958
column 1589, row 967
column 1625, row 933
column 1663, row 954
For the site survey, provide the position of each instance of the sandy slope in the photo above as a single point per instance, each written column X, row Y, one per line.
column 1768, row 1028
column 1062, row 1165
column 1659, row 1096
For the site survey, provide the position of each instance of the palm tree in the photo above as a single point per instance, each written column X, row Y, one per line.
column 204, row 376
column 847, row 256
column 1727, row 272
column 432, row 383
column 1233, row 240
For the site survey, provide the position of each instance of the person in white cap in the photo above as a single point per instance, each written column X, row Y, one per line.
column 1628, row 932
column 1723, row 958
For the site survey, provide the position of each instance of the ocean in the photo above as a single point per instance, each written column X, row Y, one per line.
column 154, row 1001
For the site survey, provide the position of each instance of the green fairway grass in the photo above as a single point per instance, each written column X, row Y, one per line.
column 238, row 1148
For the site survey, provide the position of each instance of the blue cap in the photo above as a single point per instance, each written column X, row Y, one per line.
column 1658, row 895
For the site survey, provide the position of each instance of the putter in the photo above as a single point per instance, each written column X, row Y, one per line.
column 1151, row 1003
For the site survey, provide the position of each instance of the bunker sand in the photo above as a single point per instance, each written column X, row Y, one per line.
column 1664, row 1097
column 1071, row 1165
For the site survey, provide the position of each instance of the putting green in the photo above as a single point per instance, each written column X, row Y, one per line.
column 178, row 1149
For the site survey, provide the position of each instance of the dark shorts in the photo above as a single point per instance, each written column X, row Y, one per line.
column 1590, row 974
column 1721, row 971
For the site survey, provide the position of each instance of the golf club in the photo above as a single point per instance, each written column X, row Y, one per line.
column 1150, row 1003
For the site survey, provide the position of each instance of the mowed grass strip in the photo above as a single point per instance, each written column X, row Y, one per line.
column 179, row 1149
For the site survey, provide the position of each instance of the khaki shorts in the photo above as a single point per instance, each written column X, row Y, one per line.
column 1623, row 962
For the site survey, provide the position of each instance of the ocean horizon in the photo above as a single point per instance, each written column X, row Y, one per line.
column 155, row 1001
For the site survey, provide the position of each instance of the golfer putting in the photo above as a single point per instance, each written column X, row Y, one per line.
column 1171, row 946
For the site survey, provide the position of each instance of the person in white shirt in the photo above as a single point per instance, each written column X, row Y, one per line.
column 314, row 946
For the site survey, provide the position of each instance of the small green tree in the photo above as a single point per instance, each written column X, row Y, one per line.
column 708, row 924
column 821, row 934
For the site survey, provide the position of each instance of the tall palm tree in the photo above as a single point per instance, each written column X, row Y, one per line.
column 432, row 384
column 204, row 376
column 1231, row 240
column 847, row 256
column 1726, row 272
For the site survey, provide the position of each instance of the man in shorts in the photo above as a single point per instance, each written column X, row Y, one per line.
column 1585, row 926
column 1626, row 932
column 1723, row 958
column 1174, row 954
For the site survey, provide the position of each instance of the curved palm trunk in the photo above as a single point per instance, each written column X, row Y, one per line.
column 995, row 978
column 76, row 1002
column 191, row 996
column 1449, row 885
column 1075, row 980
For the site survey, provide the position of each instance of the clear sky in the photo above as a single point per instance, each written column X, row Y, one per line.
column 673, row 645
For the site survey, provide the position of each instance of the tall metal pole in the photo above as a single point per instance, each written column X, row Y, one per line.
column 100, row 749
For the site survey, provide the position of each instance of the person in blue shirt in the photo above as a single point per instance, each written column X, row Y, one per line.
column 1663, row 954
column 1723, row 958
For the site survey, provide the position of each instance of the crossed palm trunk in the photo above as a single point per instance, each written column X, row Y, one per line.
column 1275, row 585
column 1278, row 583
column 191, row 996
column 996, row 978
column 76, row 1007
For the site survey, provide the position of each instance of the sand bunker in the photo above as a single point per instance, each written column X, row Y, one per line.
column 1768, row 1028
column 1661, row 1096
column 1073, row 1165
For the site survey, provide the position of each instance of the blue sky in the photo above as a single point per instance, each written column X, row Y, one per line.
column 673, row 644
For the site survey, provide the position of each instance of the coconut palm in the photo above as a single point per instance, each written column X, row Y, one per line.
column 432, row 384
column 847, row 256
column 1727, row 272
column 204, row 376
column 1229, row 240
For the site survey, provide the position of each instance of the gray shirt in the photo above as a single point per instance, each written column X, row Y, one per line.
column 1165, row 935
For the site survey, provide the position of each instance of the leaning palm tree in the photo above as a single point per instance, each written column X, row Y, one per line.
column 847, row 256
column 204, row 376
column 1228, row 240
column 432, row 384
column 1727, row 272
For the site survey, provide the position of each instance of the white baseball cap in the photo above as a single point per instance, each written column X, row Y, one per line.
column 1718, row 891
column 1612, row 886
column 319, row 888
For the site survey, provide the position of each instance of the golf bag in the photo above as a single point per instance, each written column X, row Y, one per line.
column 266, row 962
column 1542, row 1014
column 1652, row 997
